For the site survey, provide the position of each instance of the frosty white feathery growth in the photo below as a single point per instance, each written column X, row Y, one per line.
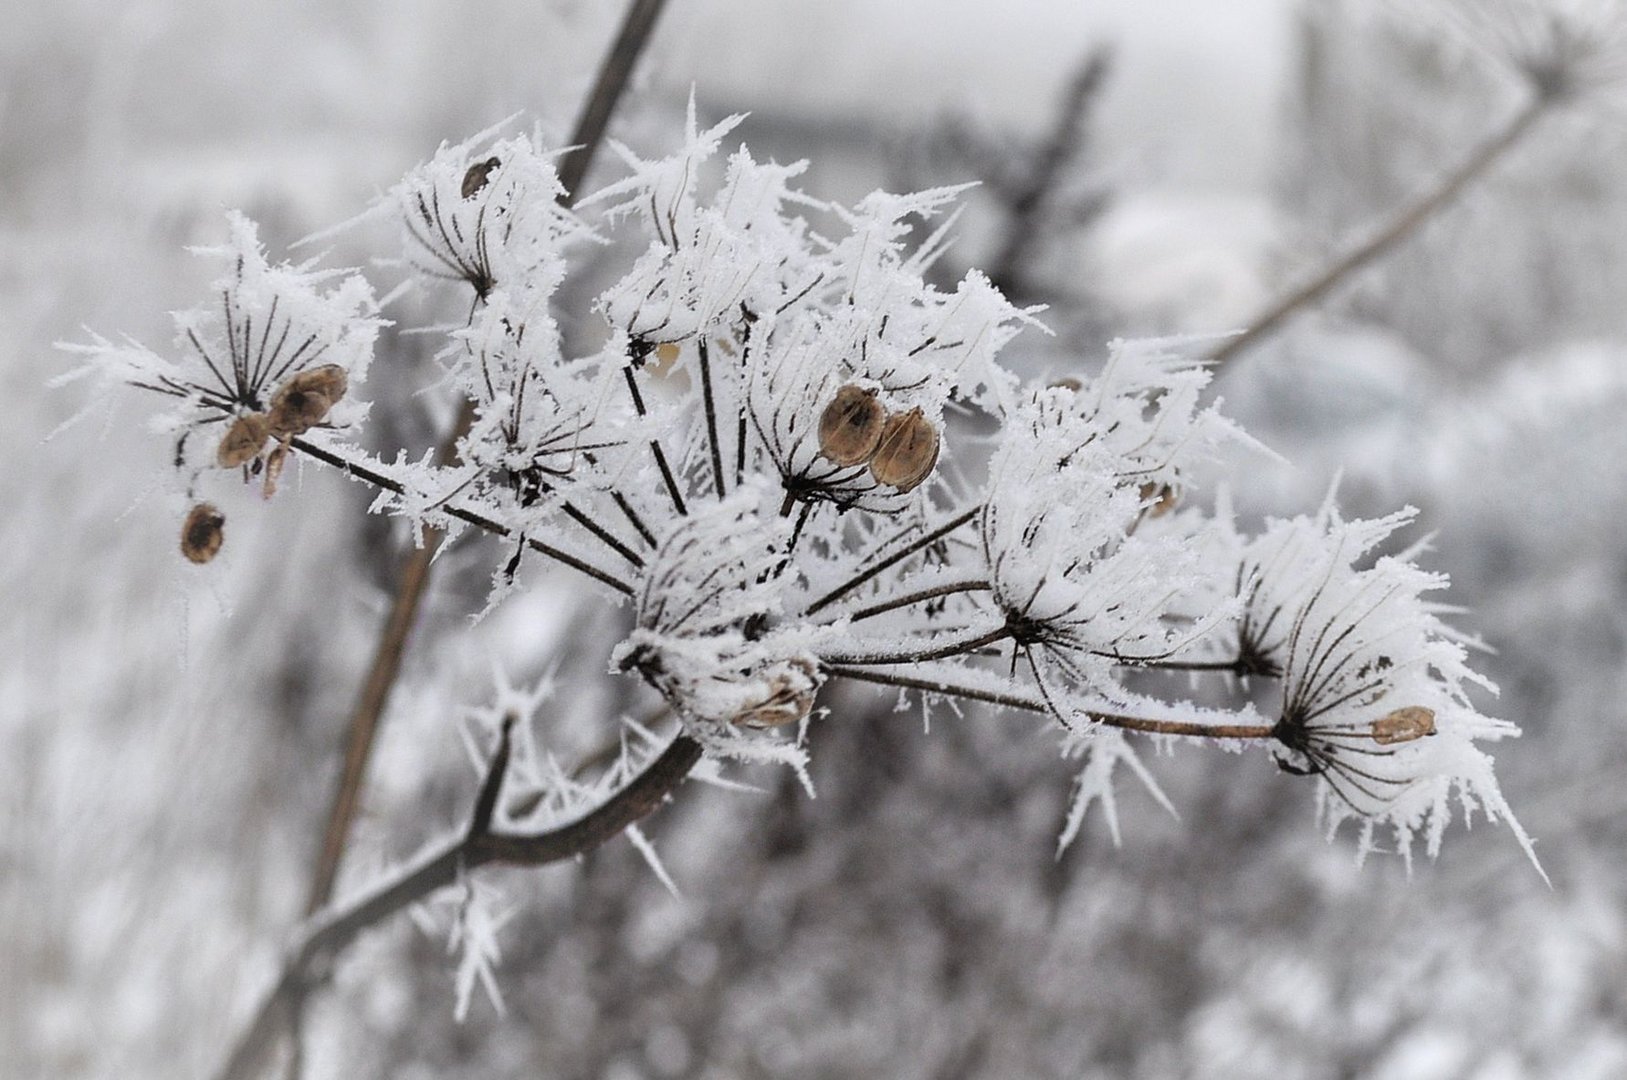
column 766, row 452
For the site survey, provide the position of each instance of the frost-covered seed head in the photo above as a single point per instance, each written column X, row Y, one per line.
column 851, row 425
column 243, row 440
column 906, row 451
column 790, row 695
column 202, row 533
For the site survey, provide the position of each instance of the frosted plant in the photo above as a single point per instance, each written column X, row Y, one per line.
column 772, row 453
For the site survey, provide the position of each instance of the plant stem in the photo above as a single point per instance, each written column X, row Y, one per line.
column 1144, row 725
column 1405, row 222
column 898, row 556
column 917, row 597
column 330, row 932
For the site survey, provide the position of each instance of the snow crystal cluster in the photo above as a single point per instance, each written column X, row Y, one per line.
column 799, row 461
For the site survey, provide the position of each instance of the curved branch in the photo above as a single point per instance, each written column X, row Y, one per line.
column 330, row 932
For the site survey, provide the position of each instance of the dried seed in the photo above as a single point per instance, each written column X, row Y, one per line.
column 476, row 177
column 304, row 400
column 851, row 425
column 1160, row 498
column 789, row 699
column 907, row 451
column 1067, row 382
column 242, row 442
column 202, row 533
column 1403, row 725
column 274, row 463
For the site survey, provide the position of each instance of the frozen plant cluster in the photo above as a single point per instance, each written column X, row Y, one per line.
column 797, row 461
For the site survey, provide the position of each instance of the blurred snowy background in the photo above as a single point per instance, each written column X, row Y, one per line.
column 167, row 747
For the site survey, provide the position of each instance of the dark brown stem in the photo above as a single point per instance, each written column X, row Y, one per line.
column 919, row 596
column 614, row 71
column 943, row 649
column 1035, row 704
column 411, row 584
column 1405, row 222
column 328, row 933
column 898, row 556
column 469, row 517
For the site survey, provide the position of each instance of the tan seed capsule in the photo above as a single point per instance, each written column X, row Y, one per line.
column 202, row 533
column 907, row 451
column 1067, row 382
column 1160, row 499
column 1403, row 725
column 304, row 400
column 242, row 442
column 476, row 177
column 790, row 698
column 851, row 425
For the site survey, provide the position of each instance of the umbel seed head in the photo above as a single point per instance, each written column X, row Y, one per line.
column 202, row 533
column 476, row 177
column 907, row 451
column 242, row 442
column 1403, row 725
column 851, row 425
column 304, row 400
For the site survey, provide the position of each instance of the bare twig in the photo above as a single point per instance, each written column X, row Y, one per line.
column 1392, row 232
column 1028, row 202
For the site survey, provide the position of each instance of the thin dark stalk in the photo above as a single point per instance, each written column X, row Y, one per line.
column 1141, row 724
column 1405, row 222
column 470, row 517
column 711, row 414
column 919, row 596
column 896, row 557
column 953, row 647
column 576, row 514
column 667, row 476
column 328, row 933
column 412, row 582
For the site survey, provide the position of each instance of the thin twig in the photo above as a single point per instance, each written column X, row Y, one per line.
column 1406, row 222
column 1144, row 725
column 902, row 553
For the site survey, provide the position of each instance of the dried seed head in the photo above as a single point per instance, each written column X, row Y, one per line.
column 851, row 425
column 907, row 451
column 476, row 177
column 202, row 533
column 1160, row 498
column 1067, row 382
column 242, row 442
column 1404, row 725
column 304, row 400
column 790, row 697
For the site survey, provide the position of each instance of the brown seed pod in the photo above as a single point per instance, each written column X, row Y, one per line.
column 304, row 400
column 1160, row 498
column 907, row 451
column 1067, row 382
column 789, row 699
column 851, row 425
column 242, row 442
column 476, row 177
column 202, row 533
column 1403, row 725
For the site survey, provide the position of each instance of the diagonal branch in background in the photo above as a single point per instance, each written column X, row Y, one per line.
column 413, row 579
column 1392, row 232
column 1028, row 201
column 310, row 958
